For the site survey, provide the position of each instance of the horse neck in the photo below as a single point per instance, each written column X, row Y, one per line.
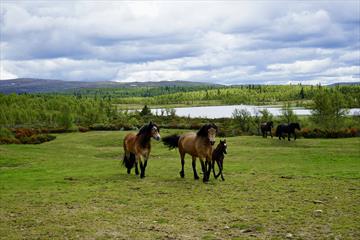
column 218, row 152
column 144, row 139
column 218, row 149
column 205, row 140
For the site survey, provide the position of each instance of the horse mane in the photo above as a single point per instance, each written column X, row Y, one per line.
column 145, row 133
column 147, row 128
column 203, row 131
column 295, row 125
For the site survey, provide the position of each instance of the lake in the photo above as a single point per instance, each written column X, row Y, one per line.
column 226, row 111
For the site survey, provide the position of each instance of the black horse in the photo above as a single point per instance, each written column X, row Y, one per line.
column 218, row 157
column 265, row 128
column 288, row 129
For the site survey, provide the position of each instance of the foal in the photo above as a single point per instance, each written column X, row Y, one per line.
column 266, row 127
column 218, row 156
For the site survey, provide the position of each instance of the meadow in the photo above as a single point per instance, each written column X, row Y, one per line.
column 74, row 187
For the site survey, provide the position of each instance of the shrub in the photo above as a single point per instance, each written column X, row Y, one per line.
column 6, row 133
column 9, row 140
column 83, row 129
column 319, row 133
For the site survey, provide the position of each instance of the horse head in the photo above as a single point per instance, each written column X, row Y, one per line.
column 223, row 146
column 209, row 131
column 297, row 126
column 270, row 124
column 155, row 131
column 151, row 130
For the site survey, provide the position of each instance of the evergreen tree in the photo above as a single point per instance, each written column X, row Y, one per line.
column 145, row 111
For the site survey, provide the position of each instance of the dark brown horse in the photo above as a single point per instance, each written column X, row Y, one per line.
column 287, row 129
column 137, row 147
column 218, row 157
column 265, row 128
column 198, row 145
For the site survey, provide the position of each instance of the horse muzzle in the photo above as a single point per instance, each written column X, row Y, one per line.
column 212, row 142
column 157, row 138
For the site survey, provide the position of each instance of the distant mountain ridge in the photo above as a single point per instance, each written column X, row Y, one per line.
column 33, row 85
column 344, row 84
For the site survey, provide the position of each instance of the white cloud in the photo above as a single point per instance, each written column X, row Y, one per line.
column 228, row 42
column 311, row 66
column 4, row 74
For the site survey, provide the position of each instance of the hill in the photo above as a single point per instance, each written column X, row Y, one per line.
column 32, row 85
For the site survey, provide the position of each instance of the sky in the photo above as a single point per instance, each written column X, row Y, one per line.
column 227, row 42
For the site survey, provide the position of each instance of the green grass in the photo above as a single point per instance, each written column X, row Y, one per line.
column 74, row 187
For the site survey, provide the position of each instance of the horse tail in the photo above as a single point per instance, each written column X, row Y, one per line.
column 277, row 133
column 129, row 162
column 171, row 141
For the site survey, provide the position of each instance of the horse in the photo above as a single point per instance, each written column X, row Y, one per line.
column 137, row 146
column 218, row 157
column 266, row 127
column 289, row 129
column 198, row 145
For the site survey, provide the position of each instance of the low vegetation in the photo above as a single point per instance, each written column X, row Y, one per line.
column 75, row 187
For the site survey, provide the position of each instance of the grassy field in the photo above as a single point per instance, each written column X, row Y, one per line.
column 74, row 187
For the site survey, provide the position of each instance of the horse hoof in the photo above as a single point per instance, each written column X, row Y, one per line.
column 142, row 176
column 182, row 175
column 128, row 171
column 196, row 177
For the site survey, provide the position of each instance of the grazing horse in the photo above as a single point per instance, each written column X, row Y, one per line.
column 289, row 129
column 137, row 146
column 198, row 145
column 218, row 156
column 265, row 128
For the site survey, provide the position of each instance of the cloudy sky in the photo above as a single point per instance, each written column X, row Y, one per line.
column 229, row 42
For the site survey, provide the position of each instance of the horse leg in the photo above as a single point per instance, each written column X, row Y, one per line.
column 136, row 168
column 289, row 135
column 208, row 162
column 127, row 155
column 182, row 172
column 142, row 170
column 144, row 166
column 271, row 134
column 221, row 173
column 294, row 136
column 196, row 177
column 213, row 168
column 203, row 167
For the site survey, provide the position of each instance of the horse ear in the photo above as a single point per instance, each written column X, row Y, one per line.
column 150, row 123
column 224, row 141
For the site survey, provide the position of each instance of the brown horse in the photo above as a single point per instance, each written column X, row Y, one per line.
column 218, row 157
column 198, row 145
column 137, row 147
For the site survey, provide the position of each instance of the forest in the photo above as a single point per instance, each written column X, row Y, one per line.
column 218, row 94
column 103, row 109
